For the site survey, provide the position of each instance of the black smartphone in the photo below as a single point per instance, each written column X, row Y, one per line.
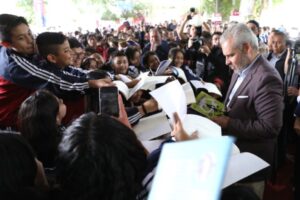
column 108, row 101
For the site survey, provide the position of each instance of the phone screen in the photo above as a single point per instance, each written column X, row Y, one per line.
column 108, row 101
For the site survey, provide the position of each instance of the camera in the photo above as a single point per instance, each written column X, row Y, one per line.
column 296, row 46
column 197, row 43
column 192, row 10
column 108, row 101
column 102, row 100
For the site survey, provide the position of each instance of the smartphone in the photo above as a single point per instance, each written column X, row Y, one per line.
column 108, row 101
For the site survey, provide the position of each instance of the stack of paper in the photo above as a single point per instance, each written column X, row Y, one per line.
column 145, row 83
column 239, row 167
column 210, row 87
column 171, row 97
column 152, row 127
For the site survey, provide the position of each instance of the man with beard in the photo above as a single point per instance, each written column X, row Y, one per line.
column 254, row 101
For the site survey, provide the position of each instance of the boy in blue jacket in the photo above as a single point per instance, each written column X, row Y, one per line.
column 20, row 73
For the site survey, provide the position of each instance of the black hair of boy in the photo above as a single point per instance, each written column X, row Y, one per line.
column 118, row 54
column 74, row 43
column 48, row 43
column 7, row 23
column 100, row 158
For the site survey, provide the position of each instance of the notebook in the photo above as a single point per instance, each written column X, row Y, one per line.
column 191, row 169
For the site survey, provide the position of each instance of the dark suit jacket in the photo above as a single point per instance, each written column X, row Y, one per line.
column 279, row 64
column 256, row 111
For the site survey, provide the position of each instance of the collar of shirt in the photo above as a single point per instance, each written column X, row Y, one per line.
column 278, row 56
column 243, row 73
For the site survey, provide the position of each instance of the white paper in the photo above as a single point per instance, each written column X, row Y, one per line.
column 163, row 65
column 136, row 87
column 210, row 87
column 152, row 126
column 189, row 93
column 235, row 150
column 242, row 165
column 191, row 170
column 204, row 127
column 181, row 74
column 145, row 83
column 122, row 87
column 124, row 78
column 171, row 98
column 151, row 81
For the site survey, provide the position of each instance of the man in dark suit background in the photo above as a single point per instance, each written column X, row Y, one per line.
column 254, row 100
column 278, row 58
column 279, row 52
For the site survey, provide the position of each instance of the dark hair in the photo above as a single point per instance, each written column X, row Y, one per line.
column 173, row 52
column 91, row 35
column 110, row 52
column 48, row 42
column 17, row 167
column 198, row 30
column 252, row 21
column 37, row 123
column 7, row 23
column 89, row 51
column 130, row 51
column 74, row 43
column 280, row 33
column 118, row 54
column 86, row 63
column 146, row 58
column 216, row 33
column 206, row 37
column 100, row 158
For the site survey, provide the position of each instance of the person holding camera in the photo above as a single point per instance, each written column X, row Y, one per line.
column 192, row 40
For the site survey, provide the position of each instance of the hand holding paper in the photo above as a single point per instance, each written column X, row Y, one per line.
column 172, row 99
column 178, row 131
column 223, row 121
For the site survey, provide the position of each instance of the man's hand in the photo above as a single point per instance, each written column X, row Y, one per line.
column 105, row 82
column 292, row 91
column 223, row 121
column 153, row 46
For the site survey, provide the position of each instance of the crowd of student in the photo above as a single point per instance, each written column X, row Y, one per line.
column 60, row 150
